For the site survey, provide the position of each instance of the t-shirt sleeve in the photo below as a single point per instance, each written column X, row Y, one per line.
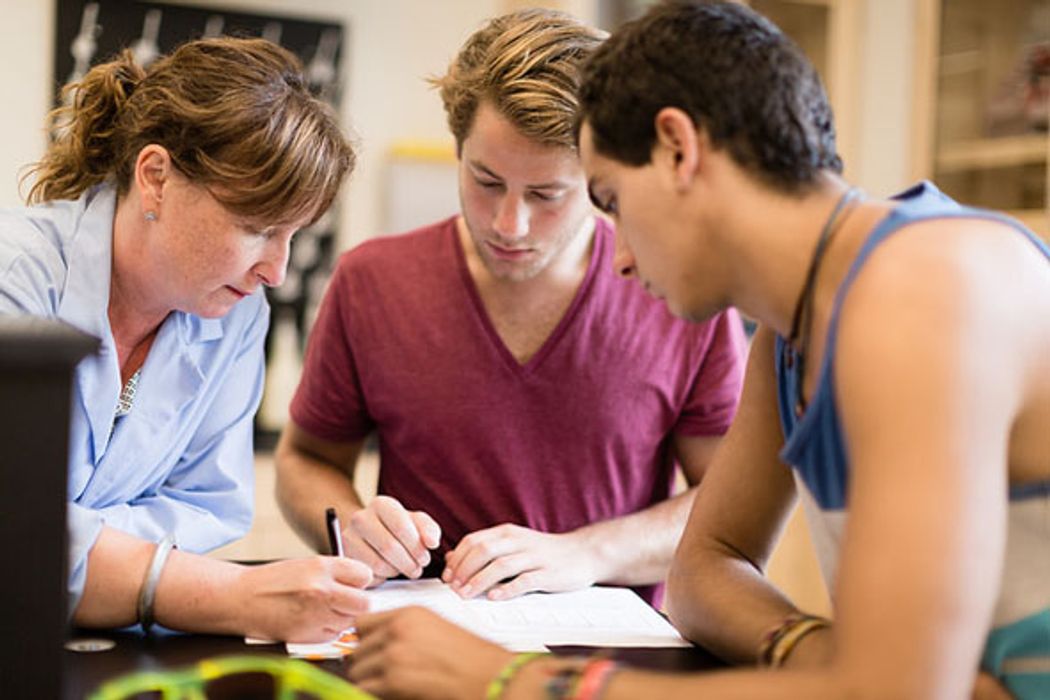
column 712, row 402
column 329, row 403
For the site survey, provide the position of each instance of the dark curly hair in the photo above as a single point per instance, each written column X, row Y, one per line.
column 736, row 75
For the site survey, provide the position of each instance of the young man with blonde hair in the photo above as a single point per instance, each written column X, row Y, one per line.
column 530, row 406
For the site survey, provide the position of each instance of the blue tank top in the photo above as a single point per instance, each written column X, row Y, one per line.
column 1018, row 647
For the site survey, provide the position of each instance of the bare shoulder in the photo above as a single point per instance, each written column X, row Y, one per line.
column 957, row 308
column 969, row 274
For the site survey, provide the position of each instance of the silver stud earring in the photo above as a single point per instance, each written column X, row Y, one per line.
column 151, row 216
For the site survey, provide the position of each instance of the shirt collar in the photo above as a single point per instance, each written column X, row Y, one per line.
column 85, row 299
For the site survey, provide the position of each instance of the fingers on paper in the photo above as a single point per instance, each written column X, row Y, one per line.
column 477, row 550
column 357, row 546
column 499, row 570
column 526, row 582
column 390, row 533
column 429, row 532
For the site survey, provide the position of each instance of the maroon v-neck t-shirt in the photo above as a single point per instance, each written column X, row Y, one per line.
column 580, row 433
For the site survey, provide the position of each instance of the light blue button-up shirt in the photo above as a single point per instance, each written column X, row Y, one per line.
column 181, row 461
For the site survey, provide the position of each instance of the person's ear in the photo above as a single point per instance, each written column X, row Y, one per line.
column 153, row 172
column 678, row 144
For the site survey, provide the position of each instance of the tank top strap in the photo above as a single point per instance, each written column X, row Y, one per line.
column 921, row 202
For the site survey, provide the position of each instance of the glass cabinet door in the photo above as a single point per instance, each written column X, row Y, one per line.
column 991, row 91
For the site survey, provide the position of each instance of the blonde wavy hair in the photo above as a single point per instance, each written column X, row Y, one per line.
column 527, row 65
column 234, row 114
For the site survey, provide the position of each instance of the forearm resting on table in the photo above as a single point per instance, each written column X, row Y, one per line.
column 725, row 603
column 637, row 549
column 193, row 592
column 628, row 683
column 307, row 484
column 832, row 680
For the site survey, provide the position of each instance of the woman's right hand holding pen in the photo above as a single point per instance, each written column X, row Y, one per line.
column 390, row 539
column 301, row 600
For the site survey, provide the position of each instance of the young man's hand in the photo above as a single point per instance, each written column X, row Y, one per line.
column 508, row 560
column 390, row 540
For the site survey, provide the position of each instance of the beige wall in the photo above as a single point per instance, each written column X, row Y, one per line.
column 395, row 44
column 25, row 73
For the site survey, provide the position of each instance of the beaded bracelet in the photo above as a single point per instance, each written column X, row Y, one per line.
column 593, row 679
column 780, row 641
column 499, row 684
column 563, row 683
column 578, row 681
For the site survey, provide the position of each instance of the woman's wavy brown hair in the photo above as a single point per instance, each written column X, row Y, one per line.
column 234, row 114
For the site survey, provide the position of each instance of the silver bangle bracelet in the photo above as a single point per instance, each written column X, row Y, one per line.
column 148, row 591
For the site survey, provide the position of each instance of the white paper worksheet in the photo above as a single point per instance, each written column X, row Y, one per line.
column 597, row 616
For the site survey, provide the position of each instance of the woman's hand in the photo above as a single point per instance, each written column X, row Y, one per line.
column 302, row 600
column 414, row 653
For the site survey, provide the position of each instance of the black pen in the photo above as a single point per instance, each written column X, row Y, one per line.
column 335, row 533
